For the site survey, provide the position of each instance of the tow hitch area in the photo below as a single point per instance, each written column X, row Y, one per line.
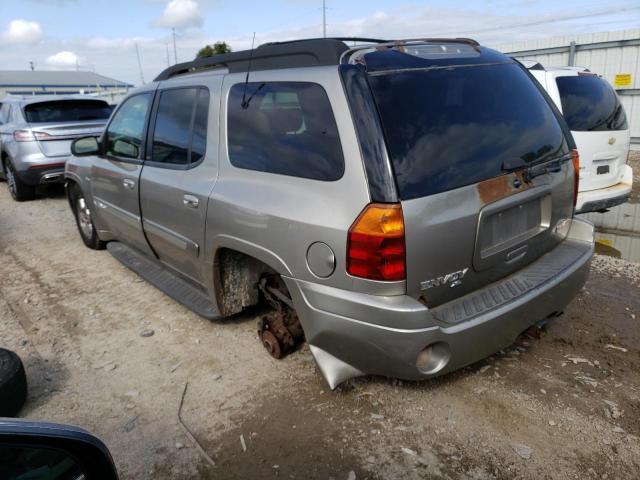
column 279, row 331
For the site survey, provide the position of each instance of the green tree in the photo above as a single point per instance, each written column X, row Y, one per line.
column 215, row 49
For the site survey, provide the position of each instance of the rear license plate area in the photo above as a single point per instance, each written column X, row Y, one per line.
column 505, row 230
column 602, row 170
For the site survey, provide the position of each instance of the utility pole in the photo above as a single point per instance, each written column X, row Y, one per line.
column 139, row 64
column 32, row 65
column 175, row 51
column 324, row 18
column 168, row 60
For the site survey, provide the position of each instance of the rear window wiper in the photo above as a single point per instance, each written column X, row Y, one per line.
column 513, row 164
column 535, row 169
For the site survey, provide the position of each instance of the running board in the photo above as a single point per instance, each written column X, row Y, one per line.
column 166, row 281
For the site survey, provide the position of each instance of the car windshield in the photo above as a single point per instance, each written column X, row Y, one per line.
column 450, row 127
column 67, row 111
column 590, row 104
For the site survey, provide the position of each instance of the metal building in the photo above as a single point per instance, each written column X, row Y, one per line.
column 44, row 82
column 614, row 55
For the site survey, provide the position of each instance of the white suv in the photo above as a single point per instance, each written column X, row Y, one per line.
column 599, row 126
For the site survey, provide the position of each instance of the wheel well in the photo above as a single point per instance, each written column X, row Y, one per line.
column 237, row 277
column 68, row 187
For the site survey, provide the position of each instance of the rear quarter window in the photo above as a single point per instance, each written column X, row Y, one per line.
column 590, row 104
column 288, row 128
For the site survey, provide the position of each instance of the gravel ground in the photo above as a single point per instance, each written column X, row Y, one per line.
column 565, row 405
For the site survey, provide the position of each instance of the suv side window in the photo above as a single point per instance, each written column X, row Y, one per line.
column 288, row 128
column 125, row 133
column 179, row 136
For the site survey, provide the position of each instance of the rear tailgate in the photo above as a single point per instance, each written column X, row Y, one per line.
column 463, row 239
column 602, row 157
column 599, row 126
column 483, row 169
column 56, row 123
column 55, row 139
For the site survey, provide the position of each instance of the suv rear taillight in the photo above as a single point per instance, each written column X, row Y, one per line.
column 575, row 159
column 375, row 244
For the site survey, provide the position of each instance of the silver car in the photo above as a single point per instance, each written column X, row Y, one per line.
column 36, row 134
column 406, row 206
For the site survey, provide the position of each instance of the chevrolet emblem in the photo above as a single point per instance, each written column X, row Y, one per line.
column 612, row 140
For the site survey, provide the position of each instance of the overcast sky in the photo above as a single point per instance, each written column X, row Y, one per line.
column 101, row 35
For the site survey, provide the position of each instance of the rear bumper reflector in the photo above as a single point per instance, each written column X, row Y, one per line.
column 47, row 165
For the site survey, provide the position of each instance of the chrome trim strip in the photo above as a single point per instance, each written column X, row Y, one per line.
column 174, row 238
column 120, row 213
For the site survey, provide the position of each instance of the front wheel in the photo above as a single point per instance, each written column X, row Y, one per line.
column 19, row 190
column 84, row 221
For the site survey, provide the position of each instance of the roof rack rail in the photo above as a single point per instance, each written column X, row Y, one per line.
column 341, row 39
column 312, row 52
column 297, row 53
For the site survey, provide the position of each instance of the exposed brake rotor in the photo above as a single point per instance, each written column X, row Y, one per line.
column 280, row 330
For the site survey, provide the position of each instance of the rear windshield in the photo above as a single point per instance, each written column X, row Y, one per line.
column 450, row 127
column 67, row 111
column 590, row 104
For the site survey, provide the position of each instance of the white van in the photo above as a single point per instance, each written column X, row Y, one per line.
column 599, row 126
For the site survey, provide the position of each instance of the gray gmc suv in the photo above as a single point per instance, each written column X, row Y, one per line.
column 36, row 134
column 405, row 206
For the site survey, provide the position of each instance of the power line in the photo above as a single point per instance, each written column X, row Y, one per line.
column 540, row 22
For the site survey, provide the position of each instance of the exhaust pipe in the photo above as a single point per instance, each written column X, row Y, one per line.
column 51, row 177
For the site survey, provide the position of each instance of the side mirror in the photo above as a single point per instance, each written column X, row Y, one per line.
column 85, row 146
column 46, row 451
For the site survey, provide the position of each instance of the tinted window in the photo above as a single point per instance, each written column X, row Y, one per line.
column 67, row 111
column 288, row 128
column 37, row 463
column 199, row 140
column 180, row 131
column 125, row 132
column 589, row 103
column 173, row 126
column 5, row 115
column 446, row 128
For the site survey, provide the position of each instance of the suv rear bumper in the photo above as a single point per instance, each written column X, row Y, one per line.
column 52, row 172
column 603, row 198
column 352, row 334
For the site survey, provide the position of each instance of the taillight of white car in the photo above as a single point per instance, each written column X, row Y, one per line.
column 29, row 136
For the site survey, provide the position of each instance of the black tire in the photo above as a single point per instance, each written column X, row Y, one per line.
column 19, row 190
column 84, row 221
column 13, row 384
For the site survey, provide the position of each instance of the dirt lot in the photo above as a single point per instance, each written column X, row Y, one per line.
column 566, row 405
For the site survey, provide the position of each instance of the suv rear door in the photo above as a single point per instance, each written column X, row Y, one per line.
column 115, row 173
column 482, row 167
column 179, row 172
column 599, row 126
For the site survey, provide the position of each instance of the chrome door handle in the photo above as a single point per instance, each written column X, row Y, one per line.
column 128, row 183
column 190, row 201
